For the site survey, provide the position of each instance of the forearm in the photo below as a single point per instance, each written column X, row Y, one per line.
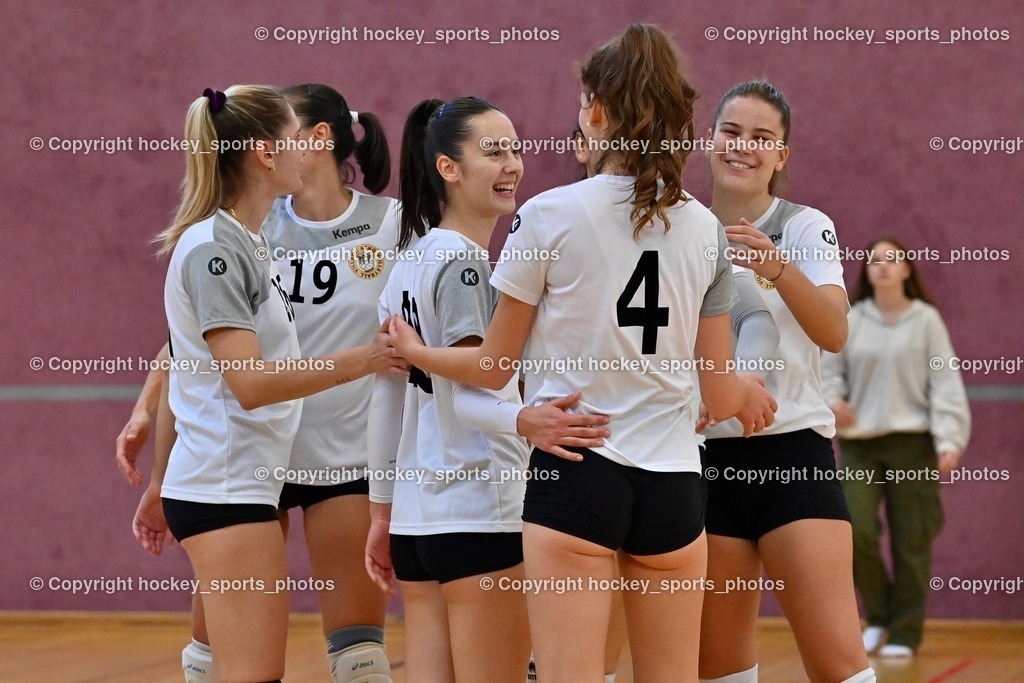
column 818, row 314
column 149, row 399
column 268, row 384
column 485, row 410
column 166, row 434
column 756, row 343
column 380, row 512
column 721, row 390
column 723, row 394
column 384, row 436
column 466, row 365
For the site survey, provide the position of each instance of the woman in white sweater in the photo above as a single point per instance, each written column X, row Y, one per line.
column 903, row 419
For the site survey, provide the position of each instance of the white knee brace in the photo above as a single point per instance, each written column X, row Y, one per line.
column 197, row 663
column 360, row 663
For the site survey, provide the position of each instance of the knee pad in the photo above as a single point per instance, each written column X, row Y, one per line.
column 197, row 663
column 865, row 676
column 748, row 676
column 360, row 663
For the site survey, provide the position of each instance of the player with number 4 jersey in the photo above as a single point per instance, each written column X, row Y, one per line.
column 640, row 281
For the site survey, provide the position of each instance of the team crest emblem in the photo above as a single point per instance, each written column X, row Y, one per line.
column 366, row 261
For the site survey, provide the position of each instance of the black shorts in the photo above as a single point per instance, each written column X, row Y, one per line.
column 186, row 518
column 304, row 495
column 615, row 506
column 447, row 557
column 758, row 484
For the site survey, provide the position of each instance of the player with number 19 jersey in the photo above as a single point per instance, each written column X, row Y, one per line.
column 608, row 302
column 333, row 272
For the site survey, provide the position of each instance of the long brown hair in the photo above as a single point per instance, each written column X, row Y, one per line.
column 913, row 286
column 638, row 78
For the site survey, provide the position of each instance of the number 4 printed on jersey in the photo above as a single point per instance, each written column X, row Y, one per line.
column 650, row 316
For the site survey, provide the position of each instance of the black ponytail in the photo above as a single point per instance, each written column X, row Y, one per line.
column 421, row 206
column 317, row 103
column 373, row 154
column 432, row 129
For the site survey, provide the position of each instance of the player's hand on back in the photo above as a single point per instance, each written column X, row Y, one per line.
column 759, row 410
column 550, row 427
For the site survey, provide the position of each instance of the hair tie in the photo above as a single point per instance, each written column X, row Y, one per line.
column 217, row 99
column 355, row 116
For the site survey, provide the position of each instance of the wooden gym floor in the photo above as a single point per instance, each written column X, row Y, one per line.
column 131, row 647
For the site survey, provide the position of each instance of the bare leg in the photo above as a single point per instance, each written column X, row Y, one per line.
column 248, row 622
column 617, row 627
column 564, row 654
column 428, row 656
column 336, row 531
column 490, row 634
column 664, row 628
column 728, row 641
column 814, row 560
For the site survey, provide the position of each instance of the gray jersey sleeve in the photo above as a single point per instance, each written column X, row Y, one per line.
column 222, row 286
column 757, row 336
column 720, row 295
column 464, row 301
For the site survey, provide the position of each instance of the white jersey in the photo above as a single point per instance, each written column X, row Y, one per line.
column 220, row 277
column 333, row 272
column 617, row 316
column 808, row 238
column 447, row 299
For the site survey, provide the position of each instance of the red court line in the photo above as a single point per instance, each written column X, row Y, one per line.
column 948, row 673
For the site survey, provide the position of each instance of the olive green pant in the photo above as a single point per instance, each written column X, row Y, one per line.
column 903, row 473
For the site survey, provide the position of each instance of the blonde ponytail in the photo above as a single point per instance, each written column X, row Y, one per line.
column 215, row 172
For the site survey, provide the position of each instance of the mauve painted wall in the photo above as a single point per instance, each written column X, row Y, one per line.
column 82, row 282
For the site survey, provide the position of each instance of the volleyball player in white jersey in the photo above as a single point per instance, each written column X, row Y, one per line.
column 227, row 310
column 452, row 522
column 631, row 283
column 797, row 527
column 335, row 247
column 755, row 336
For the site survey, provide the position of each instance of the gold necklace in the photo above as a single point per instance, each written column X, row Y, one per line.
column 235, row 216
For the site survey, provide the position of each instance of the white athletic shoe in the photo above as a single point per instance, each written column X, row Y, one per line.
column 873, row 637
column 895, row 650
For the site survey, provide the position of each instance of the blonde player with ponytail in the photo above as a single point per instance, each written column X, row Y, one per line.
column 237, row 415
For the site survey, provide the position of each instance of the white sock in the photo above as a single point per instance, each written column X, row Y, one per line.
column 609, row 678
column 748, row 676
column 865, row 676
column 197, row 662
